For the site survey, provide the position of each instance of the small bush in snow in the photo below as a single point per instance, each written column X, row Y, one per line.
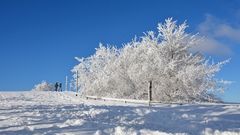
column 44, row 86
column 165, row 58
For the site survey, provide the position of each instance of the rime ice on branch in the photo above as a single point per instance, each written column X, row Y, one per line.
column 165, row 58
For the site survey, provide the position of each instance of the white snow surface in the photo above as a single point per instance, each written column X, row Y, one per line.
column 47, row 113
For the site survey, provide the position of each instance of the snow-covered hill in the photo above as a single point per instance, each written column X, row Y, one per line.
column 64, row 113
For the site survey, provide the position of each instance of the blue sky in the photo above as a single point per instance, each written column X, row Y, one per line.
column 39, row 39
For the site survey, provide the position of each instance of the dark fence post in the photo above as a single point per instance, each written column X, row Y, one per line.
column 150, row 92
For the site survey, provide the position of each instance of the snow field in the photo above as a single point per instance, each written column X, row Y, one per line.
column 43, row 113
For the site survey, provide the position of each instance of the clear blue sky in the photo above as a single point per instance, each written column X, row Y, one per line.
column 40, row 38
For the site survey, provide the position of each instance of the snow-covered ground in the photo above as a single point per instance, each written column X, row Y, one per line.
column 64, row 113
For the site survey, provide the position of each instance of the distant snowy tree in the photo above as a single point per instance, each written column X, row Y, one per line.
column 164, row 58
column 44, row 86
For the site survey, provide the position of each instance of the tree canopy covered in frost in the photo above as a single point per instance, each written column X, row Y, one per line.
column 165, row 58
column 44, row 86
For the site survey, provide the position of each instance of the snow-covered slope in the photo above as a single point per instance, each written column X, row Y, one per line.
column 64, row 113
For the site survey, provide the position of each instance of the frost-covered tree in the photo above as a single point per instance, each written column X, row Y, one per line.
column 165, row 58
column 93, row 70
column 44, row 86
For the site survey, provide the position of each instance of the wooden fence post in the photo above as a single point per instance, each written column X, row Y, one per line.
column 66, row 84
column 150, row 92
